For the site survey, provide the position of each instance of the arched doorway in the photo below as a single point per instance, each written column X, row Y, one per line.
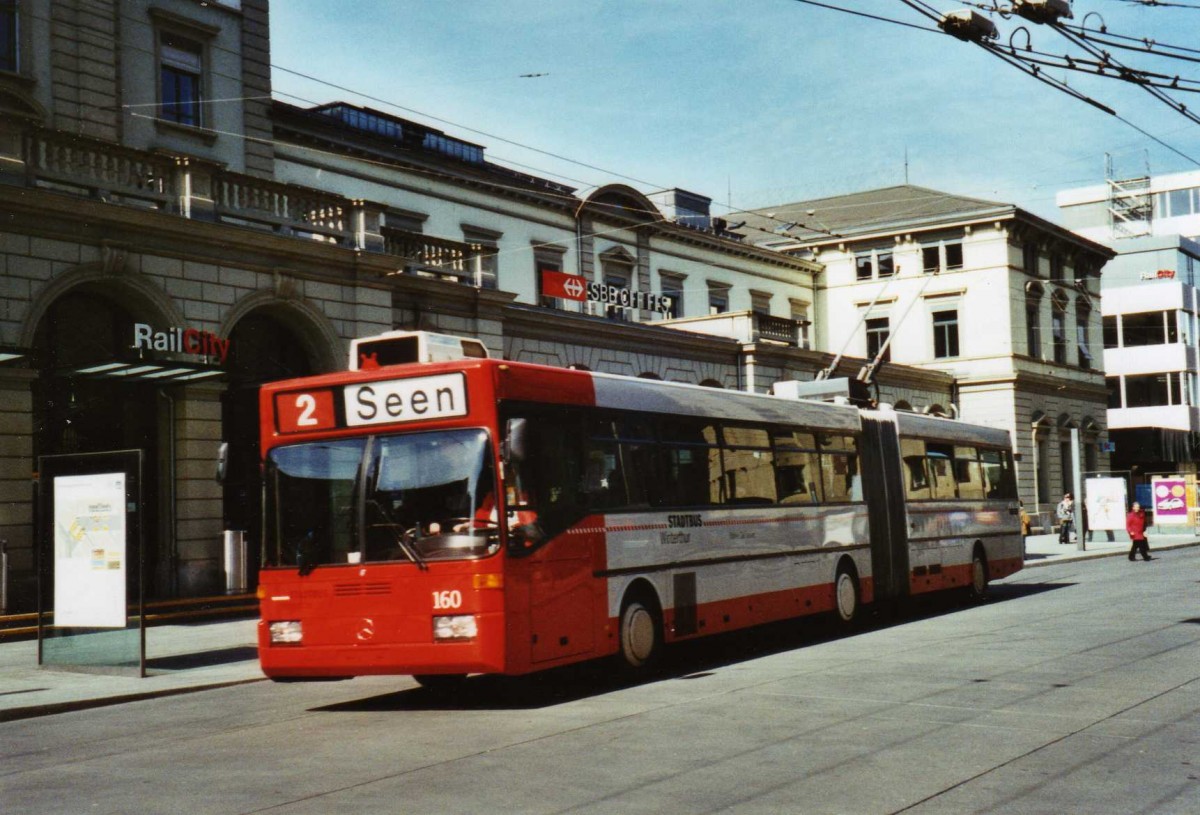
column 263, row 348
column 81, row 406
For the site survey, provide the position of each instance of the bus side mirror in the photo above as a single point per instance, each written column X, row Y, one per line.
column 222, row 462
column 515, row 439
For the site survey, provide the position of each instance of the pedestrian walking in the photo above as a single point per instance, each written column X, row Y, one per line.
column 1065, row 512
column 1135, row 525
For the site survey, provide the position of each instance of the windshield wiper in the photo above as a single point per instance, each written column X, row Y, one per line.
column 401, row 536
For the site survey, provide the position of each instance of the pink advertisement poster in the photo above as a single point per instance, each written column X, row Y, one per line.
column 1170, row 500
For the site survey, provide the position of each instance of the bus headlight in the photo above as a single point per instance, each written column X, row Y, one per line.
column 286, row 632
column 457, row 627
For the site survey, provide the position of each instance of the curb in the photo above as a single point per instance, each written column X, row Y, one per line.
column 52, row 708
column 1053, row 559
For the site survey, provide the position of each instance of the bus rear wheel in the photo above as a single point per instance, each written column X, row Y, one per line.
column 979, row 575
column 641, row 634
column 845, row 594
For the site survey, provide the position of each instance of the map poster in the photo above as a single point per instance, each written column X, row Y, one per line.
column 89, row 550
column 1105, row 502
column 1170, row 500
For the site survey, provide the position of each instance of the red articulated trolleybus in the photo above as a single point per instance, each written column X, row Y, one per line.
column 470, row 515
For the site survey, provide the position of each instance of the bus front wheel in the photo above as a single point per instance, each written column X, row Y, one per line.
column 641, row 634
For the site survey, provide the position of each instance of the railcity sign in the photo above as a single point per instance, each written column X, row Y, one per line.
column 181, row 341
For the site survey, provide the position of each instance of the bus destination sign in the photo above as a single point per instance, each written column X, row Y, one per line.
column 390, row 401
column 406, row 400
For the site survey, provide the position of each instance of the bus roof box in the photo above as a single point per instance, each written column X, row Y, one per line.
column 839, row 390
column 406, row 347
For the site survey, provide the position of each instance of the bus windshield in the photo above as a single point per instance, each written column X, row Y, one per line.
column 416, row 497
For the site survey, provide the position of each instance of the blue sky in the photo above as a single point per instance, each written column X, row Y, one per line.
column 752, row 103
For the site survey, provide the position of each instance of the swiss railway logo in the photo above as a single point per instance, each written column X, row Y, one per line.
column 574, row 288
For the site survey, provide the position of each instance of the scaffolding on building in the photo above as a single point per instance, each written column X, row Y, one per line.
column 1130, row 205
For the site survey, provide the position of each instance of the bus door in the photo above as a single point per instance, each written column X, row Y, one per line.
column 559, row 563
column 883, row 487
column 562, row 601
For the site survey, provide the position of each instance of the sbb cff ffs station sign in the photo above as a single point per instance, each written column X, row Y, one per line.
column 577, row 288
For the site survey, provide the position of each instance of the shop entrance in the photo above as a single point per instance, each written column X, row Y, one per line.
column 76, row 412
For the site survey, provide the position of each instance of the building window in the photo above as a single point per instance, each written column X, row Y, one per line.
column 1113, row 383
column 1058, row 331
column 799, row 314
column 1111, row 338
column 548, row 258
column 945, row 334
column 10, row 55
column 1153, row 390
column 672, row 289
column 1056, row 266
column 718, row 298
column 878, row 331
column 863, row 267
column 485, row 245
column 954, row 256
column 486, row 274
column 1082, row 339
column 870, row 263
column 1149, row 328
column 1033, row 319
column 181, row 75
column 618, row 276
column 1181, row 202
column 948, row 256
column 1033, row 329
column 931, row 259
column 1029, row 257
column 760, row 303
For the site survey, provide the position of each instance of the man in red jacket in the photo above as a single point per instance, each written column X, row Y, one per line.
column 1135, row 525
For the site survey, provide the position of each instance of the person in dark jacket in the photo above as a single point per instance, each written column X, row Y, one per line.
column 1135, row 525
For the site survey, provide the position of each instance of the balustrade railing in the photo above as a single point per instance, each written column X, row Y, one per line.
column 432, row 257
column 779, row 329
column 97, row 169
column 284, row 208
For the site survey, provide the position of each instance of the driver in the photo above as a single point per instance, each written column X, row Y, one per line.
column 487, row 514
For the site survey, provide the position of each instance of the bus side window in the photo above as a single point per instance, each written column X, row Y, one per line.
column 686, row 479
column 797, row 467
column 941, row 470
column 916, row 476
column 749, row 466
column 997, row 474
column 688, row 456
column 967, row 472
column 839, row 467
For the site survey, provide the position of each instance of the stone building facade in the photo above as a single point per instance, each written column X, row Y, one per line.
column 1003, row 301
